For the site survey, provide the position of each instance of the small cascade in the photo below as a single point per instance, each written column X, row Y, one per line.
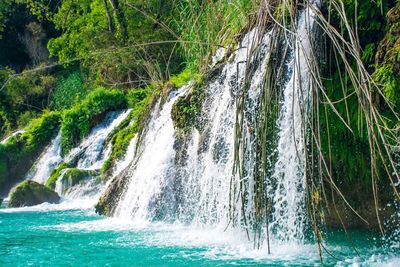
column 129, row 157
column 49, row 160
column 5, row 140
column 151, row 173
column 90, row 156
column 91, row 152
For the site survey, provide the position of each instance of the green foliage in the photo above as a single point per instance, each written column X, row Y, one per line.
column 41, row 9
column 23, row 97
column 40, row 130
column 68, row 92
column 390, row 82
column 100, row 35
column 184, row 78
column 82, row 23
column 5, row 7
column 77, row 121
column 30, row 89
column 25, row 118
column 106, row 166
column 207, row 24
column 5, row 123
column 350, row 151
column 186, row 110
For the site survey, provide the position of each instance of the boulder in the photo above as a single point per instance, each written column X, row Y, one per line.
column 30, row 193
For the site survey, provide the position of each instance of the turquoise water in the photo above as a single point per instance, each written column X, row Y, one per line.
column 53, row 235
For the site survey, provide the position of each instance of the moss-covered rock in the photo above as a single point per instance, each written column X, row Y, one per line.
column 387, row 59
column 108, row 202
column 186, row 110
column 74, row 176
column 55, row 173
column 29, row 193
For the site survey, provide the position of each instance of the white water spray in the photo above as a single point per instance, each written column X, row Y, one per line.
column 49, row 160
column 289, row 213
column 195, row 186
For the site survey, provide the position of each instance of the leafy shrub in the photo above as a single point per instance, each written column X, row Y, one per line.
column 5, row 123
column 26, row 117
column 30, row 89
column 68, row 92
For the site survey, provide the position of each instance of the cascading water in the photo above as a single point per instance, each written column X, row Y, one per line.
column 289, row 214
column 198, row 189
column 91, row 151
column 90, row 155
column 49, row 160
column 5, row 140
column 150, row 174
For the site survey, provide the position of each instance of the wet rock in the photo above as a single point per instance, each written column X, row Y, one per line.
column 108, row 202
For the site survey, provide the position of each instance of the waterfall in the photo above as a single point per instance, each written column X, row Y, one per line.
column 196, row 191
column 91, row 151
column 190, row 178
column 289, row 214
column 90, row 156
column 150, row 174
column 49, row 160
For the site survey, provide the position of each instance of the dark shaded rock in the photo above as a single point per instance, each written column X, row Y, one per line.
column 30, row 193
column 108, row 202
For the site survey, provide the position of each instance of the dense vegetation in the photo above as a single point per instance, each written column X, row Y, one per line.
column 67, row 63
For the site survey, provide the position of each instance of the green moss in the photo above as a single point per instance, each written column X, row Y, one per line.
column 77, row 121
column 185, row 111
column 75, row 176
column 106, row 166
column 30, row 193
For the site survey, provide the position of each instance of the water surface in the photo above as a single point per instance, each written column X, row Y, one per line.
column 67, row 235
